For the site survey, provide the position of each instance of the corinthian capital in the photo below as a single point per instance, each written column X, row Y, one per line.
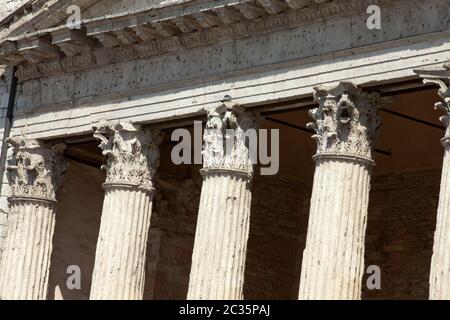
column 346, row 121
column 34, row 169
column 228, row 138
column 440, row 77
column 132, row 153
column 444, row 93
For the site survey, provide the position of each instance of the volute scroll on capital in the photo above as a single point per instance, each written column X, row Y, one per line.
column 440, row 77
column 346, row 123
column 132, row 153
column 35, row 169
column 444, row 105
column 226, row 138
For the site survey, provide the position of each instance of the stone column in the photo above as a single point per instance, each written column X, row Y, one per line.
column 220, row 248
column 34, row 172
column 333, row 260
column 132, row 158
column 440, row 261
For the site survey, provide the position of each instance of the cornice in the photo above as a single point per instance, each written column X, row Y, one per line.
column 162, row 30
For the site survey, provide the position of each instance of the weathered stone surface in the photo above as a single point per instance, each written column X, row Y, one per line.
column 401, row 223
column 177, row 58
column 34, row 170
column 132, row 157
column 9, row 7
column 440, row 262
column 132, row 154
column 218, row 260
column 119, row 271
column 5, row 82
column 228, row 116
column 345, row 124
column 333, row 259
column 26, row 259
column 258, row 68
column 35, row 173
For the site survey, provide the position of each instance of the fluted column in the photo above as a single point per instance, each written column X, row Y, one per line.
column 333, row 260
column 34, row 172
column 218, row 260
column 440, row 261
column 132, row 158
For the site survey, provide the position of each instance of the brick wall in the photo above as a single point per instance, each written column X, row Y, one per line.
column 400, row 230
column 278, row 227
column 174, row 219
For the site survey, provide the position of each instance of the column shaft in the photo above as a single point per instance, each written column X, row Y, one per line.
column 132, row 157
column 440, row 261
column 34, row 171
column 26, row 260
column 333, row 259
column 119, row 271
column 218, row 262
column 346, row 126
column 220, row 249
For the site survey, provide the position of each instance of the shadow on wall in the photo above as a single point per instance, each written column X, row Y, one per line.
column 76, row 230
column 171, row 237
column 400, row 230
column 278, row 226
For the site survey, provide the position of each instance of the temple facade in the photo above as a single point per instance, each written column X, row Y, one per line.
column 93, row 205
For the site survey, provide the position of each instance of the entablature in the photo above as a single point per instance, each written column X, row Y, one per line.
column 169, row 26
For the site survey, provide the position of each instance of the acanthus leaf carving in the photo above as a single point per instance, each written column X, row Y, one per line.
column 226, row 138
column 132, row 153
column 34, row 169
column 346, row 121
column 444, row 93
